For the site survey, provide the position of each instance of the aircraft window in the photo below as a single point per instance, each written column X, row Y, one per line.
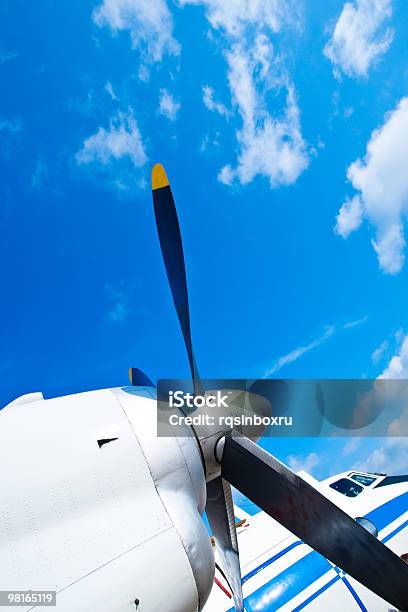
column 368, row 526
column 346, row 487
column 364, row 480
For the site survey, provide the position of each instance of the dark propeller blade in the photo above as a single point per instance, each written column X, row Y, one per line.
column 299, row 507
column 172, row 251
column 139, row 379
column 220, row 514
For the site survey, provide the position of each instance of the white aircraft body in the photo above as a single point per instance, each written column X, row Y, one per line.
column 105, row 524
column 100, row 509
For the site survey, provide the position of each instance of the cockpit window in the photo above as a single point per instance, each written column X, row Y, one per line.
column 346, row 487
column 363, row 479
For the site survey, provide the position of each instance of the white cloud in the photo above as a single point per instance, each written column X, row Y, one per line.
column 234, row 16
column 397, row 369
column 109, row 89
column 307, row 464
column 121, row 140
column 119, row 311
column 355, row 323
column 149, row 22
column 350, row 217
column 391, row 458
column 211, row 104
column 113, row 153
column 269, row 144
column 379, row 352
column 360, row 36
column 382, row 180
column 168, row 107
column 226, row 175
column 351, row 446
column 144, row 73
column 210, row 142
column 301, row 350
column 398, row 365
column 399, row 427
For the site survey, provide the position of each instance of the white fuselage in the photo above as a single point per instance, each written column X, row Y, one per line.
column 113, row 527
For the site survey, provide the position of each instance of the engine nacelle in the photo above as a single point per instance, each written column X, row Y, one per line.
column 98, row 508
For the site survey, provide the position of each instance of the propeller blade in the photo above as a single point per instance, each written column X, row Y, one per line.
column 139, row 379
column 220, row 514
column 299, row 507
column 172, row 251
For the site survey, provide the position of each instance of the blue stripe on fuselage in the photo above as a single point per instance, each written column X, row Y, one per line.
column 271, row 560
column 388, row 512
column 288, row 583
column 315, row 595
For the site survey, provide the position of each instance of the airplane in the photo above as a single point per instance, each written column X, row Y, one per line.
column 98, row 508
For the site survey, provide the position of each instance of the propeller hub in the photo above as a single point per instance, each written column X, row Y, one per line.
column 247, row 413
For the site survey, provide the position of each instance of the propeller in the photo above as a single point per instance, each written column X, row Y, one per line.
column 281, row 493
column 219, row 506
column 139, row 379
column 221, row 516
column 171, row 246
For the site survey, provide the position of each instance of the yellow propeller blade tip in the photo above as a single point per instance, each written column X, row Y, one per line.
column 159, row 177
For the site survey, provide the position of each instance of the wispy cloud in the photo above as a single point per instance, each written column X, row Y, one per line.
column 351, row 446
column 168, row 106
column 360, row 37
column 119, row 298
column 119, row 146
column 305, row 463
column 352, row 324
column 211, row 103
column 398, row 365
column 109, row 89
column 210, row 142
column 121, row 139
column 269, row 144
column 379, row 352
column 390, row 457
column 300, row 351
column 149, row 23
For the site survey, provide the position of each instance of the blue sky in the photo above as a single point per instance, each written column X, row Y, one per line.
column 283, row 127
